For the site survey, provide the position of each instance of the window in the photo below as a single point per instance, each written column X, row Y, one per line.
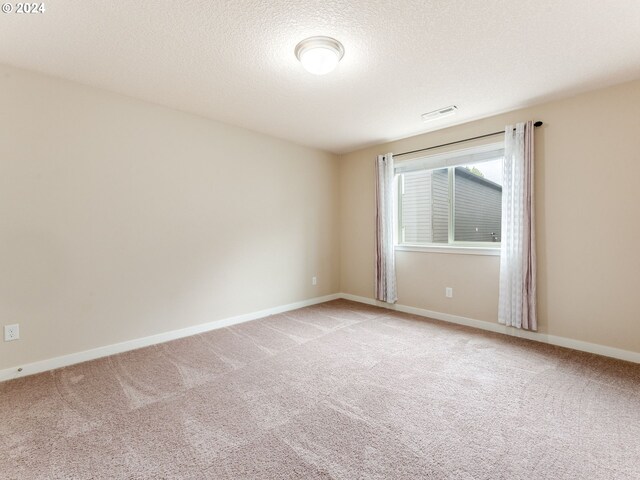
column 451, row 199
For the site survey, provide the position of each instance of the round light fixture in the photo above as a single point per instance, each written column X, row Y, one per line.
column 319, row 55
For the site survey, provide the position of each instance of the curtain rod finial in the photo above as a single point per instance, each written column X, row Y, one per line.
column 537, row 124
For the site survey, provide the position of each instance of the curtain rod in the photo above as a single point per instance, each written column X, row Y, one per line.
column 537, row 124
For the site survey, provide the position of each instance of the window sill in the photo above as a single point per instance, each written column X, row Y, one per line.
column 492, row 251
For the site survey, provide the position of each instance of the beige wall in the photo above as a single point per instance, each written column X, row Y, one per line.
column 120, row 219
column 588, row 208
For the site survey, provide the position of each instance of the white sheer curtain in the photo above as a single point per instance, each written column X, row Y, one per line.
column 385, row 254
column 517, row 307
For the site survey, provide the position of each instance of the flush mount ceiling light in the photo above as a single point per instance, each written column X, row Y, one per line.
column 319, row 55
column 438, row 114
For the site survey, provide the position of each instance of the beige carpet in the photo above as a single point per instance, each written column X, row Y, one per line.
column 339, row 390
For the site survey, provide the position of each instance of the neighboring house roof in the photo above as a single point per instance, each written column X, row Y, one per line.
column 477, row 178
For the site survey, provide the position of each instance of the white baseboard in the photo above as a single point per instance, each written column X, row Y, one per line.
column 496, row 327
column 78, row 357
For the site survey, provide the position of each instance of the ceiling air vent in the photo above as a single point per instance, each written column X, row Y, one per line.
column 440, row 113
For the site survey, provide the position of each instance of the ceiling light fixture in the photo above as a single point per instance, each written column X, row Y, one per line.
column 438, row 114
column 319, row 55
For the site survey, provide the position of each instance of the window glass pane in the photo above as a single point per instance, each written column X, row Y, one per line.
column 424, row 202
column 478, row 202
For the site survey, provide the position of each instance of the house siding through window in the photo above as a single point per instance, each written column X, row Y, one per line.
column 425, row 207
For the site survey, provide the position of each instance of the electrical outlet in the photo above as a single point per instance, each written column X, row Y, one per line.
column 11, row 332
column 314, row 280
column 448, row 292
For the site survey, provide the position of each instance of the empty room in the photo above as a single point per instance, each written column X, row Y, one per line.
column 320, row 240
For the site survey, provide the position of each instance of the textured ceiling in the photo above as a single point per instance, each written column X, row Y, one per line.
column 233, row 61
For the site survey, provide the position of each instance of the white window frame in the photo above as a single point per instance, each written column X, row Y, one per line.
column 449, row 160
